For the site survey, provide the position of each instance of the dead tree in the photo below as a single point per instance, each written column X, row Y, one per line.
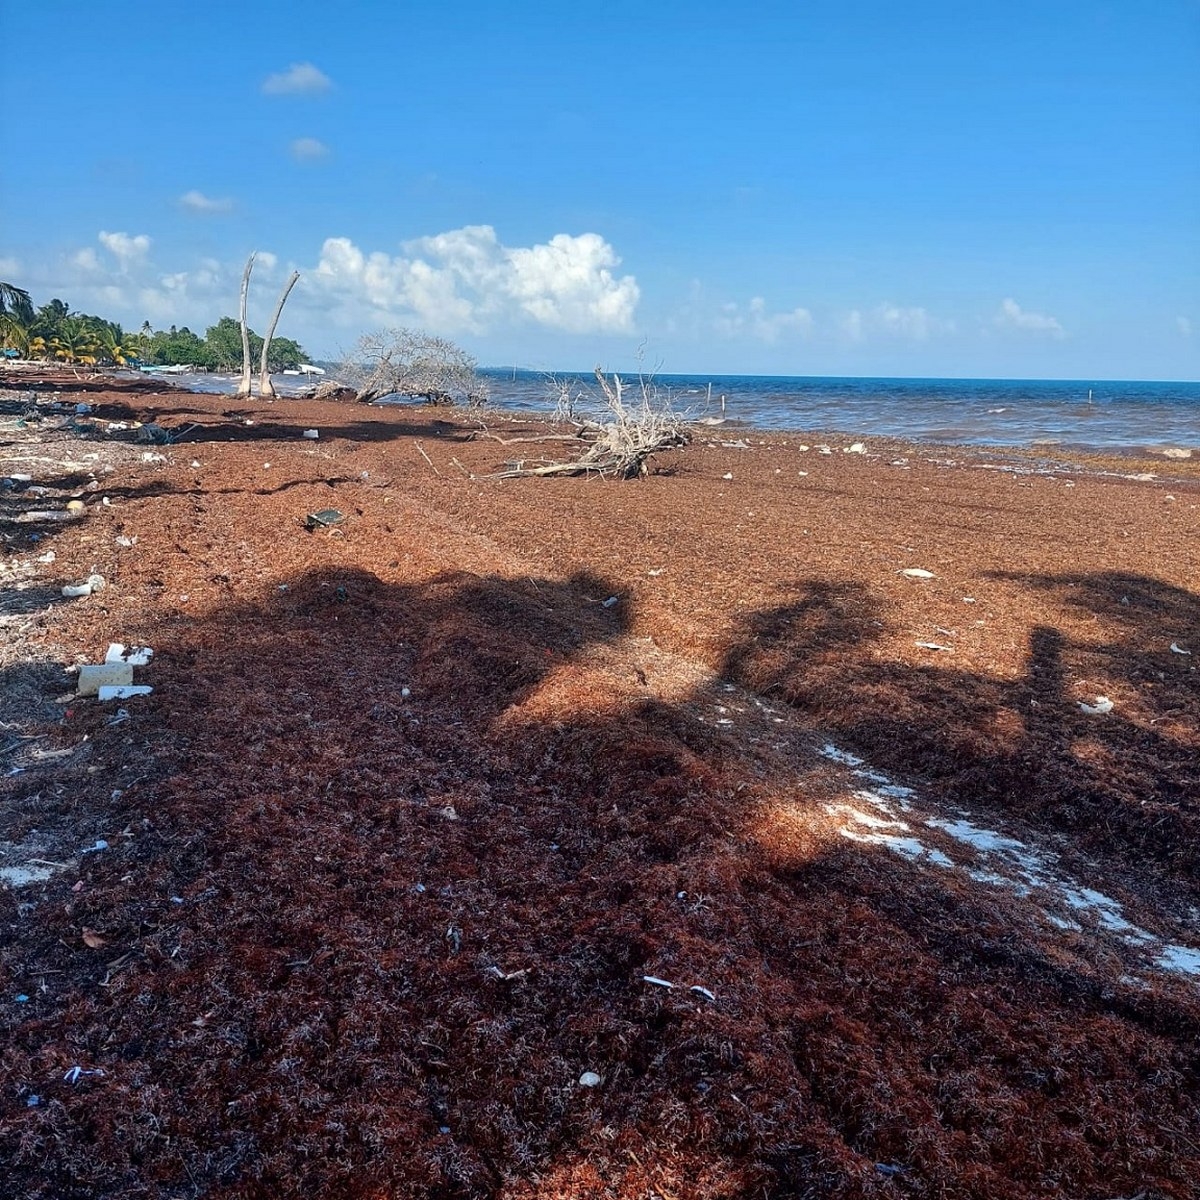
column 618, row 434
column 245, row 387
column 265, row 386
column 415, row 365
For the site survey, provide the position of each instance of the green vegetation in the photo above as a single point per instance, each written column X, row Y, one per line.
column 54, row 332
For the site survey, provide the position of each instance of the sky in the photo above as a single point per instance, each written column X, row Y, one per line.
column 812, row 187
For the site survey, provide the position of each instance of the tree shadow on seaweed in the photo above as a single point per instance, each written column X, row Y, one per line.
column 1023, row 746
column 411, row 871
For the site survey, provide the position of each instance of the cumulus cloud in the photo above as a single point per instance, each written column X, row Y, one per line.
column 466, row 279
column 198, row 202
column 461, row 281
column 9, row 267
column 1184, row 325
column 916, row 324
column 757, row 321
column 308, row 149
column 300, row 79
column 128, row 251
column 1012, row 316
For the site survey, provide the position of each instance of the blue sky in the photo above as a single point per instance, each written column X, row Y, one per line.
column 850, row 187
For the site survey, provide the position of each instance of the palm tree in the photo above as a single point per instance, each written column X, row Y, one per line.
column 15, row 302
column 75, row 342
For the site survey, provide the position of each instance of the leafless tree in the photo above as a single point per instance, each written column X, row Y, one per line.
column 245, row 387
column 265, row 386
column 413, row 364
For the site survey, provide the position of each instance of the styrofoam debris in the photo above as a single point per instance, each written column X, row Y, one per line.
column 1176, row 648
column 311, row 434
column 124, row 691
column 1103, row 705
column 111, row 673
column 589, row 1079
column 135, row 656
column 917, row 573
column 654, row 979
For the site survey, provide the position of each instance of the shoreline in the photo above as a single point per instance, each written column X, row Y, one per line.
column 426, row 806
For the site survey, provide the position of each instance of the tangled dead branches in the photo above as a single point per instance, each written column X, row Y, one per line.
column 619, row 430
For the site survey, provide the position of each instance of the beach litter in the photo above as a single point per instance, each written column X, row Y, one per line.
column 325, row 518
column 854, row 448
column 917, row 573
column 108, row 674
column 1103, row 705
column 654, row 981
column 311, row 434
column 589, row 1079
column 93, row 583
column 932, row 646
column 135, row 656
column 123, row 691
column 1176, row 648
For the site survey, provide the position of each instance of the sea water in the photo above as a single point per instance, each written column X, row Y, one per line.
column 1074, row 414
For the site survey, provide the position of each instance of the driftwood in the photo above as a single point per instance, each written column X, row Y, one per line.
column 619, row 438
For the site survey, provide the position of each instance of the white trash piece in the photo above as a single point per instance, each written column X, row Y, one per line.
column 110, row 674
column 917, row 573
column 125, row 691
column 1103, row 705
column 93, row 583
column 311, row 434
column 135, row 656
column 589, row 1079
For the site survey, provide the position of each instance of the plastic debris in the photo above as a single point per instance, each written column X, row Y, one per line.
column 589, row 1079
column 917, row 573
column 311, row 434
column 75, row 507
column 33, row 1101
column 656, row 982
column 931, row 646
column 855, row 448
column 135, row 656
column 609, row 602
column 22, row 999
column 124, row 691
column 1103, row 705
column 323, row 519
column 96, row 847
column 76, row 1073
column 727, row 475
column 112, row 673
column 1176, row 648
column 93, row 583
column 703, row 991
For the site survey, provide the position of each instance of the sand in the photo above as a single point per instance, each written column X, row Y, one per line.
column 422, row 800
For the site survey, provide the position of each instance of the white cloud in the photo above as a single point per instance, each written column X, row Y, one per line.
column 914, row 323
column 308, row 149
column 1184, row 325
column 9, row 267
column 299, row 79
column 466, row 279
column 198, row 202
column 1012, row 316
column 758, row 322
column 852, row 325
column 128, row 251
column 463, row 280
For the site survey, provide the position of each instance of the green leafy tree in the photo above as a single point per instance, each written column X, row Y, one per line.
column 224, row 342
column 175, row 347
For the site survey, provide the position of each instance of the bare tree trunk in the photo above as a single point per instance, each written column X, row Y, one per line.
column 244, row 388
column 265, row 386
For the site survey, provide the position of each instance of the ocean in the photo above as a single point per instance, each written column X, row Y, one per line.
column 1074, row 414
column 1105, row 415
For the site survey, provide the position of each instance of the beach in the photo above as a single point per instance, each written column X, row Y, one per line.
column 809, row 817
